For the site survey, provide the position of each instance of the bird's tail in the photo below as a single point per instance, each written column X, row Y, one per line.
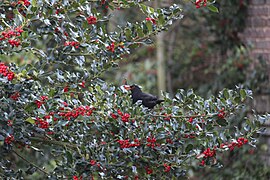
column 159, row 101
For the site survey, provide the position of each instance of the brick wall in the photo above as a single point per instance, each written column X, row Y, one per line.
column 257, row 32
column 258, row 27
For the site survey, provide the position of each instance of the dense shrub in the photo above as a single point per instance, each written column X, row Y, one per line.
column 57, row 113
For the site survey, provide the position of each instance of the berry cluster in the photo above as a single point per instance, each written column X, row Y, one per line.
column 221, row 114
column 72, row 43
column 91, row 20
column 167, row 117
column 202, row 163
column 209, row 153
column 82, row 110
column 41, row 101
column 190, row 136
column 14, row 42
column 200, row 3
column 148, row 170
column 239, row 143
column 93, row 162
column 190, row 120
column 65, row 104
column 6, row 72
column 169, row 140
column 42, row 123
column 59, row 11
column 151, row 19
column 44, row 98
column 127, row 144
column 56, row 30
column 114, row 116
column 9, row 123
column 124, row 116
column 15, row 96
column 111, row 47
column 151, row 142
column 77, row 178
column 38, row 103
column 10, row 36
column 167, row 167
column 24, row 2
column 65, row 33
column 9, row 139
column 82, row 84
column 65, row 89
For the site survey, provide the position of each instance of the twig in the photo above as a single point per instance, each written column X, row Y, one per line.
column 81, row 54
column 184, row 116
column 186, row 158
column 2, row 175
column 42, row 170
column 74, row 146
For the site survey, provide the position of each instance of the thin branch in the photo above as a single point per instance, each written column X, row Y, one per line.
column 3, row 175
column 183, row 116
column 46, row 141
column 42, row 170
column 81, row 54
column 186, row 158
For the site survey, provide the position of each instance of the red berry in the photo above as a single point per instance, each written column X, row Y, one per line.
column 91, row 20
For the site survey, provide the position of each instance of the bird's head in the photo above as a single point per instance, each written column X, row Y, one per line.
column 133, row 88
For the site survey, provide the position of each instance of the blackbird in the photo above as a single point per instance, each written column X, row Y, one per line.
column 148, row 100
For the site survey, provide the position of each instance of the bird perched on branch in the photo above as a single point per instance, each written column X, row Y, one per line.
column 148, row 100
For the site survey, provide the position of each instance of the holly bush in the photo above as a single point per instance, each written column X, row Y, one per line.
column 61, row 121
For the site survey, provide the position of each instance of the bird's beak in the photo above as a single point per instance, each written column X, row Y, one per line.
column 127, row 87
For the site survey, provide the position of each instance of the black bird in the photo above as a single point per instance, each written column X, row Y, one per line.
column 148, row 100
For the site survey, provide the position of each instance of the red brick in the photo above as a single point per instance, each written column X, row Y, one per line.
column 258, row 22
column 264, row 55
column 256, row 2
column 259, row 32
column 262, row 44
column 248, row 33
column 268, row 21
column 259, row 10
column 267, row 32
column 248, row 22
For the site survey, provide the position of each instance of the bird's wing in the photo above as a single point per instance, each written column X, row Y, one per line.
column 148, row 97
column 143, row 96
column 149, row 100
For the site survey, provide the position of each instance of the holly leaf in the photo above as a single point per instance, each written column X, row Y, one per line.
column 189, row 148
column 222, row 122
column 213, row 8
column 30, row 120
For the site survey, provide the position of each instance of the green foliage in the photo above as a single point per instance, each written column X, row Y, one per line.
column 205, row 59
column 76, row 125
